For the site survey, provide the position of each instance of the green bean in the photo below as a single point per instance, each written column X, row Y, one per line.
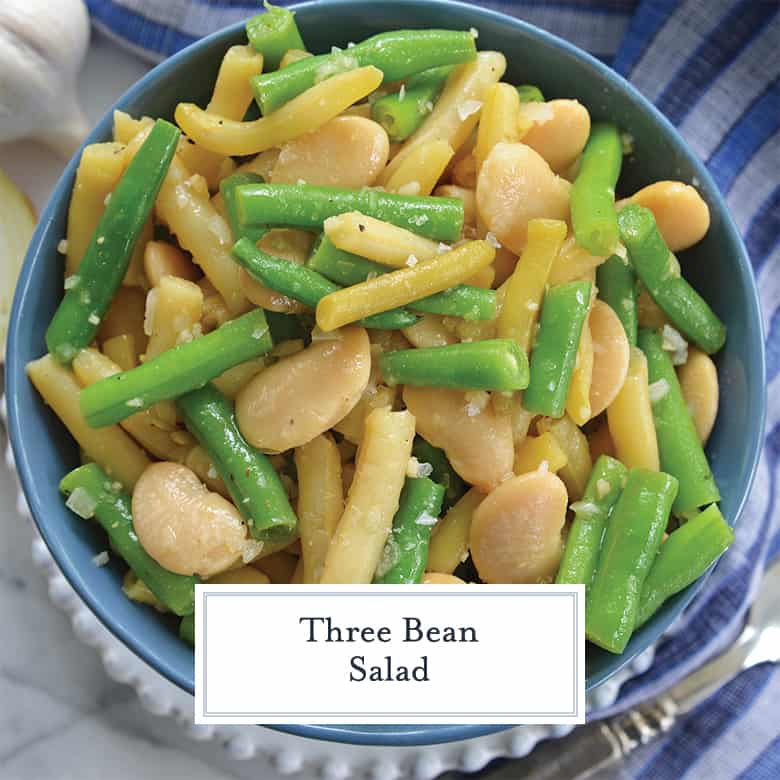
column 659, row 271
column 307, row 206
column 492, row 364
column 227, row 188
column 90, row 291
column 285, row 327
column 187, row 629
column 564, row 310
column 250, row 478
column 529, row 93
column 176, row 371
column 398, row 54
column 616, row 282
column 591, row 515
column 633, row 535
column 406, row 551
column 685, row 555
column 593, row 215
column 402, row 112
column 442, row 472
column 305, row 285
column 91, row 492
column 273, row 33
column 345, row 268
column 679, row 446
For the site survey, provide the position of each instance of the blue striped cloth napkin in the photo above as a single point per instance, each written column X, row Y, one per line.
column 713, row 67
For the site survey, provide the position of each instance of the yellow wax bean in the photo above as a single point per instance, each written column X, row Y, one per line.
column 293, row 55
column 100, row 168
column 175, row 307
column 210, row 165
column 351, row 427
column 126, row 127
column 574, row 444
column 450, row 541
column 525, row 287
column 457, row 110
column 572, row 262
column 199, row 228
column 91, row 366
column 303, row 114
column 233, row 381
column 232, row 94
column 499, row 121
column 483, row 278
column 578, row 400
column 357, row 544
column 320, row 501
column 537, row 450
column 126, row 316
column 109, row 447
column 419, row 173
column 378, row 240
column 630, row 418
column 404, row 286
column 122, row 351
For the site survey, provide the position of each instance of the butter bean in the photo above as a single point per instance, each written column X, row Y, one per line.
column 610, row 356
column 516, row 531
column 306, row 394
column 348, row 151
column 514, row 186
column 682, row 216
column 478, row 441
column 561, row 138
column 699, row 383
column 183, row 526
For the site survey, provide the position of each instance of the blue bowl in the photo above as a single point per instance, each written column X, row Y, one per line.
column 718, row 267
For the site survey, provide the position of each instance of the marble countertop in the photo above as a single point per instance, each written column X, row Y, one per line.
column 60, row 715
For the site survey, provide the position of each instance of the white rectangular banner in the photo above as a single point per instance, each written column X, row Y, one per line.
column 402, row 654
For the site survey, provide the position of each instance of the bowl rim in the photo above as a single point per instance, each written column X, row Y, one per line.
column 15, row 374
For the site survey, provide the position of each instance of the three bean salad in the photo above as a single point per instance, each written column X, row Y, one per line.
column 397, row 329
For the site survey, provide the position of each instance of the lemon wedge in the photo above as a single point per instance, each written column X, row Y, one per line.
column 17, row 221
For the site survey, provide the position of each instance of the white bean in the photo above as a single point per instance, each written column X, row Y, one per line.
column 514, row 186
column 183, row 526
column 516, row 531
column 306, row 394
column 478, row 441
column 610, row 356
column 561, row 138
column 348, row 151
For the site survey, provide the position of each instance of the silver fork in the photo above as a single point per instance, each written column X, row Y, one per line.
column 595, row 746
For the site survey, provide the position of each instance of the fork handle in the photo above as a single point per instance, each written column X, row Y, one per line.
column 592, row 747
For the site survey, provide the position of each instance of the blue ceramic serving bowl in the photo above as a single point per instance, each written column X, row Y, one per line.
column 718, row 267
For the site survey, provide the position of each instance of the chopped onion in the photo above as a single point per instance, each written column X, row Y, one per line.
column 82, row 503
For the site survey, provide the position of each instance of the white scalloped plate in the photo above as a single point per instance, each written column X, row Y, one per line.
column 290, row 754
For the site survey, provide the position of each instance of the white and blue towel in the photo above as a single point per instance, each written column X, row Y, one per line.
column 713, row 67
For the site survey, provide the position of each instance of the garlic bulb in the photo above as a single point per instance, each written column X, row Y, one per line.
column 42, row 46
